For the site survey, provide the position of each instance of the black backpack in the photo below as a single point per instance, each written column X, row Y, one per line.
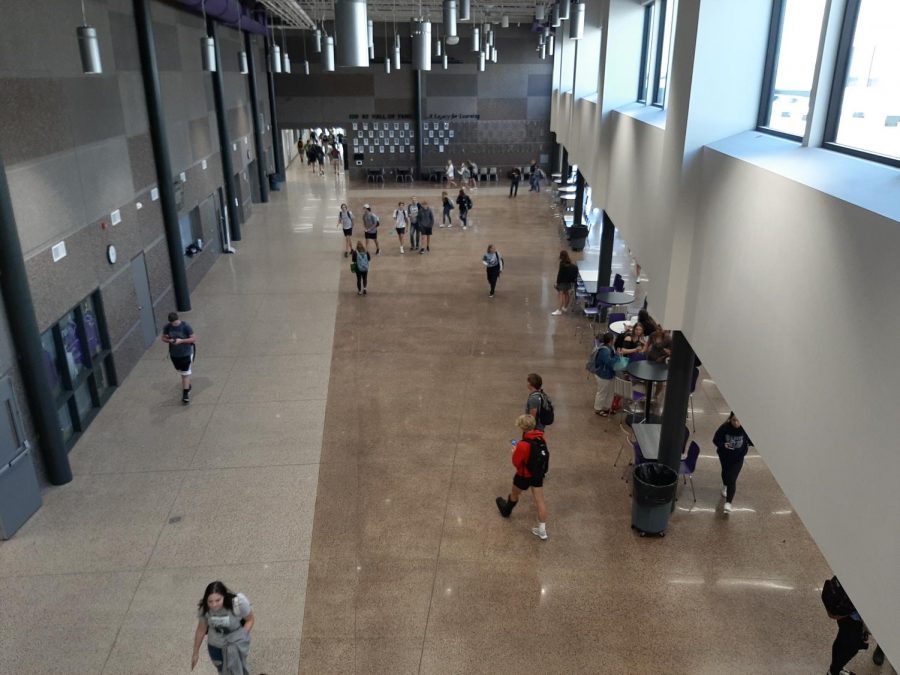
column 835, row 598
column 538, row 458
column 545, row 412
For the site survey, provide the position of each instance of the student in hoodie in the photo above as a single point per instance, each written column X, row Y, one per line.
column 523, row 479
column 731, row 443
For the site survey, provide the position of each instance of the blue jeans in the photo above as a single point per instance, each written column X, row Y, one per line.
column 216, row 656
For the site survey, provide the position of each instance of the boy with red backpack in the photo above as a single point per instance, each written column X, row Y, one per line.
column 531, row 458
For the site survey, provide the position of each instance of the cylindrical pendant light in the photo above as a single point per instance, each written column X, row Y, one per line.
column 351, row 28
column 481, row 61
column 306, row 67
column 539, row 12
column 541, row 40
column 465, row 10
column 317, row 41
column 422, row 47
column 286, row 63
column 208, row 54
column 328, row 54
column 476, row 39
column 555, row 21
column 89, row 46
column 414, row 26
column 576, row 27
column 371, row 33
column 490, row 38
column 450, row 34
column 494, row 54
column 564, row 6
column 504, row 21
column 396, row 41
column 396, row 57
column 387, row 65
column 276, row 58
column 242, row 62
column 444, row 61
column 438, row 48
column 543, row 50
column 550, row 44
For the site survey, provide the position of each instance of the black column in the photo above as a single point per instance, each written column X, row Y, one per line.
column 27, row 342
column 554, row 153
column 224, row 138
column 150, row 72
column 678, row 390
column 276, row 133
column 579, row 199
column 257, row 125
column 419, row 84
column 564, row 166
column 607, row 236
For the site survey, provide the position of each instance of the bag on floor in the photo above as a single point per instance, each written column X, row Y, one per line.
column 834, row 597
column 538, row 458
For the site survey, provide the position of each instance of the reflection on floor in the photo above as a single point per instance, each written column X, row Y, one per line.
column 339, row 465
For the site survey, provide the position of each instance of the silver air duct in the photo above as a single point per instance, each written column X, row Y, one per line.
column 576, row 27
column 328, row 54
column 450, row 34
column 351, row 30
column 539, row 12
column 465, row 10
column 422, row 47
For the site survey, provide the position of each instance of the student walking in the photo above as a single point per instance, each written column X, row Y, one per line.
column 447, row 205
column 530, row 457
column 465, row 205
column 180, row 337
column 401, row 218
column 345, row 221
column 426, row 225
column 360, row 267
column 450, row 174
column 414, row 234
column 494, row 264
column 225, row 619
column 371, row 223
column 538, row 404
column 566, row 276
column 732, row 443
column 514, row 177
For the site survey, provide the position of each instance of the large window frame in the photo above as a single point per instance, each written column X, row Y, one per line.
column 657, row 19
column 838, row 87
column 768, row 85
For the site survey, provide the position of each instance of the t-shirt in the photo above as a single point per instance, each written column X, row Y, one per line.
column 370, row 221
column 400, row 219
column 534, row 402
column 413, row 211
column 180, row 332
column 223, row 621
column 450, row 172
column 346, row 218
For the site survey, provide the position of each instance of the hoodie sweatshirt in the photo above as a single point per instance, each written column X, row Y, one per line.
column 522, row 451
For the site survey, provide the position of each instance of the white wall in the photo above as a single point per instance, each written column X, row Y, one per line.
column 778, row 263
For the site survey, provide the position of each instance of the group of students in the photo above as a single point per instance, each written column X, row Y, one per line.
column 316, row 153
column 468, row 173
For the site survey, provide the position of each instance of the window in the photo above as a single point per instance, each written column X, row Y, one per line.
column 656, row 51
column 790, row 66
column 78, row 366
column 864, row 112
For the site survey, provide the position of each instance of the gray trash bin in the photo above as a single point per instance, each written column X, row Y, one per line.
column 653, row 490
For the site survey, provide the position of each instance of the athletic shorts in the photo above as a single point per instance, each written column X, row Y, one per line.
column 426, row 231
column 401, row 230
column 183, row 364
column 524, row 483
column 348, row 233
column 371, row 235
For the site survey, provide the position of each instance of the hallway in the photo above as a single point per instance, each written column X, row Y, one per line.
column 339, row 463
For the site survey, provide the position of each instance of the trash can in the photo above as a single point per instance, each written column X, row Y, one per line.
column 653, row 491
column 275, row 182
column 577, row 236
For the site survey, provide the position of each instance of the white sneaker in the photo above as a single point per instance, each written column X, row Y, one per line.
column 539, row 533
column 401, row 250
column 556, row 313
column 441, row 225
column 464, row 227
column 728, row 507
column 724, row 491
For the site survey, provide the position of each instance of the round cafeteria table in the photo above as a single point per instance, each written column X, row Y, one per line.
column 619, row 327
column 613, row 298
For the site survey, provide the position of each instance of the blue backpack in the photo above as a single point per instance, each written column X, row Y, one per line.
column 362, row 262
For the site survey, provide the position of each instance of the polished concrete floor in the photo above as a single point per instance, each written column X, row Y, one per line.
column 339, row 465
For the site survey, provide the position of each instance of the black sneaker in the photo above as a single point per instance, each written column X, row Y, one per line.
column 365, row 292
column 186, row 397
column 503, row 507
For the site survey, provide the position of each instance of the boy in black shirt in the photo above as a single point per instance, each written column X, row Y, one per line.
column 181, row 339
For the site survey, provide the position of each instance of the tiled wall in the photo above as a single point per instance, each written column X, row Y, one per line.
column 500, row 117
column 78, row 147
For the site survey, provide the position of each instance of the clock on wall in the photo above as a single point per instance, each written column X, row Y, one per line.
column 111, row 254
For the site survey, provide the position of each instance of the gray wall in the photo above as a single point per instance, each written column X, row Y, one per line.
column 78, row 147
column 500, row 117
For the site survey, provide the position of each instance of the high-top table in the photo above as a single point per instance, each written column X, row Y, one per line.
column 649, row 372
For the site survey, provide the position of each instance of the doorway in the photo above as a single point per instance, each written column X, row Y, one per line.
column 144, row 301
